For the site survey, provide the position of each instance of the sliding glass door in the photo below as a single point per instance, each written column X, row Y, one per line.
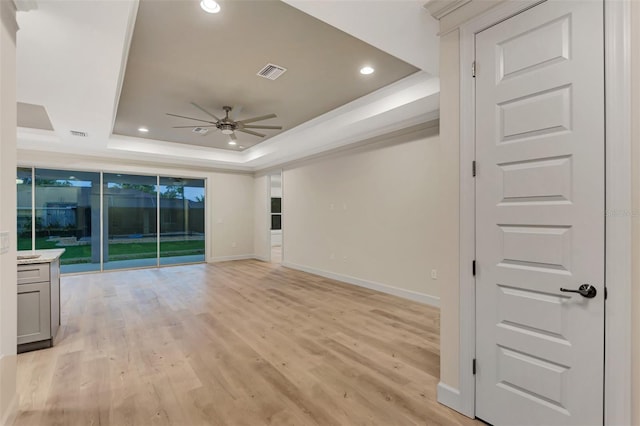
column 107, row 221
column 24, row 184
column 130, row 221
column 181, row 220
column 67, row 215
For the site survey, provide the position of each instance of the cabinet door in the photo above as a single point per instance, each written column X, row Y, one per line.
column 34, row 312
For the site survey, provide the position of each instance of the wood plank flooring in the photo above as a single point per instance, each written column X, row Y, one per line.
column 235, row 343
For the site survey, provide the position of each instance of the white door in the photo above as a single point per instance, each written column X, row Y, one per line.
column 540, row 216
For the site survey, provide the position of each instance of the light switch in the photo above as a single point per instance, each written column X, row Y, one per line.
column 4, row 242
column 434, row 274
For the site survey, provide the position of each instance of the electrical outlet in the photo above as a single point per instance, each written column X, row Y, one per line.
column 5, row 242
column 233, row 244
column 434, row 274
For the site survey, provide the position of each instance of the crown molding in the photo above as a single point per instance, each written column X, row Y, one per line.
column 440, row 8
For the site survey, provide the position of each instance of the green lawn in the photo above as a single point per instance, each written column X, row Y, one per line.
column 124, row 251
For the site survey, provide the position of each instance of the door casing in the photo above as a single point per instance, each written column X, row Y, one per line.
column 618, row 204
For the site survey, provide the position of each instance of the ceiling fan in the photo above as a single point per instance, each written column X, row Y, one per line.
column 229, row 125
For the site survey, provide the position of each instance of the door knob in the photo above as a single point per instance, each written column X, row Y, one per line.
column 585, row 290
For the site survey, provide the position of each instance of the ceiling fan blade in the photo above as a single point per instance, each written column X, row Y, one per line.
column 204, row 110
column 235, row 111
column 251, row 132
column 192, row 126
column 262, row 117
column 233, row 137
column 262, row 127
column 191, row 118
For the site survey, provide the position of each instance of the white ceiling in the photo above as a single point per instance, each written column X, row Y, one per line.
column 72, row 55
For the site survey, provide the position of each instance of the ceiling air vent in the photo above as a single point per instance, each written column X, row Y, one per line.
column 200, row 130
column 78, row 133
column 271, row 71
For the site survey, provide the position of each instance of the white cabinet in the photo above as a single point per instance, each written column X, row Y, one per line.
column 34, row 306
column 38, row 305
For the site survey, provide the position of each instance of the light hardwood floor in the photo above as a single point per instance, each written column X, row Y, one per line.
column 236, row 343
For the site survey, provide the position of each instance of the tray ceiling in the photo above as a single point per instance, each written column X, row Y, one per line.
column 179, row 55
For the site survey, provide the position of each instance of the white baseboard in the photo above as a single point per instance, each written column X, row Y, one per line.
column 228, row 258
column 383, row 288
column 449, row 396
column 9, row 417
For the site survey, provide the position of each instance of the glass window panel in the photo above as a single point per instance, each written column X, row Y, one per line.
column 276, row 205
column 182, row 215
column 67, row 215
column 25, row 219
column 276, row 222
column 130, row 221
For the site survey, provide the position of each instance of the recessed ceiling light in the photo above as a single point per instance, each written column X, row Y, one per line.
column 232, row 142
column 366, row 70
column 210, row 6
column 143, row 129
column 241, row 147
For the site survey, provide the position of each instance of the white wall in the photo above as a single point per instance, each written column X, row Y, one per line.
column 450, row 135
column 8, row 270
column 372, row 215
column 261, row 220
column 229, row 195
column 233, row 215
column 635, row 137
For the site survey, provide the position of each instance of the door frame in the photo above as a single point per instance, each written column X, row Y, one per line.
column 617, row 27
column 269, row 175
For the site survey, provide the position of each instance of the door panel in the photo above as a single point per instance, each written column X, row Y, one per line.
column 540, row 216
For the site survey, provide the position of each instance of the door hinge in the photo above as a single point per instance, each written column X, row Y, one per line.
column 473, row 168
column 473, row 367
column 473, row 268
column 473, row 69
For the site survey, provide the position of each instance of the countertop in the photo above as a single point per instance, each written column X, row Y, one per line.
column 46, row 256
